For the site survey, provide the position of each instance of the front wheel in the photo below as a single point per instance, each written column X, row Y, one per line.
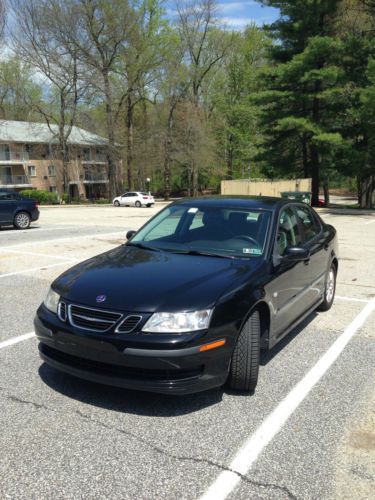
column 116, row 203
column 330, row 289
column 22, row 220
column 243, row 374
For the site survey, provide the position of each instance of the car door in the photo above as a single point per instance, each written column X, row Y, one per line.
column 7, row 207
column 290, row 286
column 315, row 240
column 125, row 199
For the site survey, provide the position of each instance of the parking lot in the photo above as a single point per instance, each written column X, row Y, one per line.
column 308, row 431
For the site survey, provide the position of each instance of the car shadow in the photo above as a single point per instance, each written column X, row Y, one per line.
column 127, row 401
column 267, row 356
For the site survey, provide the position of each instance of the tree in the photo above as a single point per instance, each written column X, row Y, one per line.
column 205, row 47
column 37, row 41
column 236, row 115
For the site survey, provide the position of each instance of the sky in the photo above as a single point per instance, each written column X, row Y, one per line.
column 237, row 15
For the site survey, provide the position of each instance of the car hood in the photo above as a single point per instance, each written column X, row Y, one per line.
column 138, row 280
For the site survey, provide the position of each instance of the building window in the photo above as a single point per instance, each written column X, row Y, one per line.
column 51, row 170
column 4, row 152
column 29, row 148
column 52, row 189
column 32, row 170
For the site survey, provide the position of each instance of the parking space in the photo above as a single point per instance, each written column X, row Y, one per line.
column 65, row 438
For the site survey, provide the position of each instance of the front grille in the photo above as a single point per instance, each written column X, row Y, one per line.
column 61, row 311
column 95, row 320
column 129, row 324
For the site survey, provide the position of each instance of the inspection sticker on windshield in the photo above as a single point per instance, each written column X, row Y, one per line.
column 252, row 251
column 192, row 210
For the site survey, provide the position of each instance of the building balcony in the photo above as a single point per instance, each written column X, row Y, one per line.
column 95, row 178
column 13, row 157
column 98, row 159
column 15, row 181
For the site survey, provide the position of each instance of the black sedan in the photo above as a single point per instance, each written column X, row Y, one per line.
column 188, row 302
column 17, row 210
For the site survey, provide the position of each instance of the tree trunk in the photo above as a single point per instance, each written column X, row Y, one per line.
column 366, row 192
column 230, row 158
column 167, row 154
column 315, row 162
column 130, row 140
column 63, row 145
column 112, row 169
column 194, row 168
column 326, row 193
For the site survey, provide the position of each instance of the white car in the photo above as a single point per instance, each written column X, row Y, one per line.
column 134, row 199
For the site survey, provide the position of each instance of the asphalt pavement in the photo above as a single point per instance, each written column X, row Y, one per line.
column 62, row 437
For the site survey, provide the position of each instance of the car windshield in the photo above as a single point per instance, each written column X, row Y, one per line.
column 216, row 231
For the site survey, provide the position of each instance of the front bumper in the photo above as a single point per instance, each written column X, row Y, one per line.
column 133, row 361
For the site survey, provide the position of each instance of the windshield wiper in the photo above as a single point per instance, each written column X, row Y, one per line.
column 204, row 254
column 144, row 247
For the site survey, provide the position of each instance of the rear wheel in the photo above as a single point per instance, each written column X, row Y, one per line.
column 22, row 220
column 243, row 375
column 330, row 289
column 138, row 204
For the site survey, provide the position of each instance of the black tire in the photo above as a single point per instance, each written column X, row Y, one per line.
column 138, row 204
column 116, row 203
column 329, row 289
column 22, row 220
column 243, row 374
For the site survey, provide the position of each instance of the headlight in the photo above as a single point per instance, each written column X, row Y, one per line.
column 52, row 300
column 178, row 322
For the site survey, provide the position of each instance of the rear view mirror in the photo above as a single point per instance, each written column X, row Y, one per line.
column 130, row 234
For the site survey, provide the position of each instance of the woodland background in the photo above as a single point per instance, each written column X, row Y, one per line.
column 187, row 102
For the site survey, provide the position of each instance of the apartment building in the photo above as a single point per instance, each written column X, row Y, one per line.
column 29, row 158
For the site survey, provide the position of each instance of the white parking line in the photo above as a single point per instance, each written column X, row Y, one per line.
column 351, row 299
column 15, row 340
column 370, row 222
column 253, row 447
column 21, row 252
column 37, row 268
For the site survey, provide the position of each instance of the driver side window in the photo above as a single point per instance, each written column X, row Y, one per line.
column 288, row 231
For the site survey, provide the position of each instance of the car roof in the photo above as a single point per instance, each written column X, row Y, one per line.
column 255, row 202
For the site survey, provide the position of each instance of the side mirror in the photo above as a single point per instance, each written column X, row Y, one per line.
column 130, row 234
column 295, row 254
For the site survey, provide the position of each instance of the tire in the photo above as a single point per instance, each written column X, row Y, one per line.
column 116, row 203
column 244, row 368
column 138, row 204
column 22, row 220
column 329, row 290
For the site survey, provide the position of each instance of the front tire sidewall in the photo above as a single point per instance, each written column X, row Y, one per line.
column 22, row 220
column 244, row 368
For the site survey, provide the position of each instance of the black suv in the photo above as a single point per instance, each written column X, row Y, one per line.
column 17, row 209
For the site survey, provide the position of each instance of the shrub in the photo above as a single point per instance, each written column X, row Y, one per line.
column 43, row 197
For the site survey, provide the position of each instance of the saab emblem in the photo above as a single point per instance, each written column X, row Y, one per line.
column 101, row 298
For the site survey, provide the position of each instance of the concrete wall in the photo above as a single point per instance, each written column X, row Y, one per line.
column 263, row 187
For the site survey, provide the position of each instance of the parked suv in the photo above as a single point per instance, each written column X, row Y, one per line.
column 17, row 209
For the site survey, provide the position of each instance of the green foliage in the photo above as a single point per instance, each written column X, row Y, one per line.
column 43, row 197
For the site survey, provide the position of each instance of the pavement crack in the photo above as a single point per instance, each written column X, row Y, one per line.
column 152, row 446
column 16, row 399
column 175, row 456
